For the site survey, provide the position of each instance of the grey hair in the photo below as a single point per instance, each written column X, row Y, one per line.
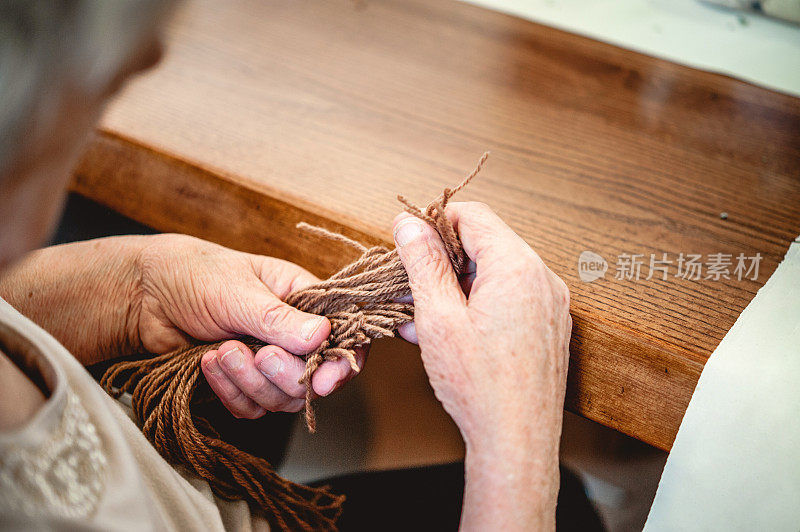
column 47, row 44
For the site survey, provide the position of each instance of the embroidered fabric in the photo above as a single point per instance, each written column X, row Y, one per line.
column 61, row 477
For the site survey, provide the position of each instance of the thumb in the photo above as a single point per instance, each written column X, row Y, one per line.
column 268, row 318
column 433, row 282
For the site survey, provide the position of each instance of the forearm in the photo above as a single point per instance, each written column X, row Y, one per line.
column 84, row 294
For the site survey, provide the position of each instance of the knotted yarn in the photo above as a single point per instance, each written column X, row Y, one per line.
column 362, row 303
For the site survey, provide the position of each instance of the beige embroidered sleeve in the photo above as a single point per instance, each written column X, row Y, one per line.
column 80, row 462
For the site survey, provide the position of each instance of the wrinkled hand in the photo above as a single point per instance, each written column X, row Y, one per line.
column 193, row 288
column 495, row 347
column 497, row 358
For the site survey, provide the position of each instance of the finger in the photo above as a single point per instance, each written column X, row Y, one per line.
column 465, row 280
column 283, row 369
column 482, row 232
column 238, row 363
column 430, row 275
column 229, row 394
column 408, row 298
column 502, row 258
column 282, row 277
column 332, row 374
column 268, row 318
column 408, row 332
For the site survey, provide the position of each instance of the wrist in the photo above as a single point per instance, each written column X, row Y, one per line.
column 144, row 261
column 510, row 423
column 112, row 297
column 511, row 455
column 511, row 469
column 134, row 294
column 158, row 266
column 511, row 483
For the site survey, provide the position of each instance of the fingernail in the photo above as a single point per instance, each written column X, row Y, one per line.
column 212, row 366
column 233, row 359
column 271, row 365
column 407, row 231
column 310, row 327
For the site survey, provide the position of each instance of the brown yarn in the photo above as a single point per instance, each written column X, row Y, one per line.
column 361, row 303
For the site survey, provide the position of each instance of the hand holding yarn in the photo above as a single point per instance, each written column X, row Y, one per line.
column 496, row 354
column 193, row 288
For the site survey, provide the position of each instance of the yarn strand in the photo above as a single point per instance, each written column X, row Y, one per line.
column 362, row 303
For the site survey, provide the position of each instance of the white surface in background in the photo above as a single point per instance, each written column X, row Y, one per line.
column 735, row 464
column 744, row 45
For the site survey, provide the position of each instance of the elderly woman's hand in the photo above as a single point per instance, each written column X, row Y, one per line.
column 496, row 359
column 117, row 296
column 190, row 287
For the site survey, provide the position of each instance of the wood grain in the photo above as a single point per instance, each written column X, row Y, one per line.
column 265, row 113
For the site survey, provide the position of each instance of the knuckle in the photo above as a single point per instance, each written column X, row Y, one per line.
column 293, row 406
column 424, row 263
column 256, row 387
column 233, row 397
column 274, row 315
column 269, row 398
column 477, row 207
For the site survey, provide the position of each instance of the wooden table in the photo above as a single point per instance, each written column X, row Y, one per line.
column 266, row 113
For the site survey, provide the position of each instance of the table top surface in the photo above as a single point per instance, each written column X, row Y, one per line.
column 263, row 114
